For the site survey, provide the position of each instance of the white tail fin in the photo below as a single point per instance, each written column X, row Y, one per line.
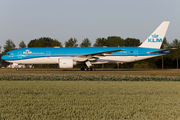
column 156, row 38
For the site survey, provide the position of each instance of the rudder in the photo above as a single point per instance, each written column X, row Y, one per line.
column 156, row 38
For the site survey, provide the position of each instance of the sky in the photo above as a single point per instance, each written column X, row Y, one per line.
column 64, row 19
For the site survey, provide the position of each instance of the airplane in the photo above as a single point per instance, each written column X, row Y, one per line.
column 67, row 57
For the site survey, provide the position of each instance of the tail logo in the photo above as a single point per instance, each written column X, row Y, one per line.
column 155, row 38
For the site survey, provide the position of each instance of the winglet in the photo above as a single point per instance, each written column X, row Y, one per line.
column 156, row 38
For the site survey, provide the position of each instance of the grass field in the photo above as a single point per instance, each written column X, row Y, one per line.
column 93, row 95
column 89, row 100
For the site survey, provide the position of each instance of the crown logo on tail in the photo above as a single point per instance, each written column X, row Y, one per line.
column 155, row 38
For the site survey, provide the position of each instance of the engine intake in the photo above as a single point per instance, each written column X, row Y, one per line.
column 66, row 63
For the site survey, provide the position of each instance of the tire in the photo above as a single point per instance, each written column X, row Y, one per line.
column 93, row 69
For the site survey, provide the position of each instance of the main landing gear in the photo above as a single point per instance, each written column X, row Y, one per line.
column 87, row 69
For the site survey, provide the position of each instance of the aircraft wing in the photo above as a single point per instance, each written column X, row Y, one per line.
column 160, row 51
column 94, row 56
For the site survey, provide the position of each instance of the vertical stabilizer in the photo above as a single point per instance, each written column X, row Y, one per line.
column 156, row 38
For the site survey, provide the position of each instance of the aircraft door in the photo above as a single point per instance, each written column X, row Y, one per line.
column 135, row 53
column 19, row 54
column 48, row 53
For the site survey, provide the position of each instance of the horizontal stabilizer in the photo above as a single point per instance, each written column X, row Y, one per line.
column 160, row 51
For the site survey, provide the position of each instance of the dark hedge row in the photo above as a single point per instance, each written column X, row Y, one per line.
column 82, row 77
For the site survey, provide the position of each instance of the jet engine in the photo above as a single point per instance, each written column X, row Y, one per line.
column 66, row 62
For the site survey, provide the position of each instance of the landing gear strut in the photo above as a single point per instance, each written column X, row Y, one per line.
column 89, row 67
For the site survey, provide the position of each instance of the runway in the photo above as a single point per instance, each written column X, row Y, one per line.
column 158, row 72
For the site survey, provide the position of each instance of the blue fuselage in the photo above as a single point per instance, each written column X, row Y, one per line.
column 51, row 55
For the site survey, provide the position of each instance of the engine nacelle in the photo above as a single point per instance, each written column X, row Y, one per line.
column 66, row 62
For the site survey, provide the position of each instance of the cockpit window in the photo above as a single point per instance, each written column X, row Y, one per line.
column 7, row 53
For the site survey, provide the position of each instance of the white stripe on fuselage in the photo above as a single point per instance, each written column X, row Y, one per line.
column 106, row 59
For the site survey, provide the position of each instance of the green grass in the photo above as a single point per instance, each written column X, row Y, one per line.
column 89, row 100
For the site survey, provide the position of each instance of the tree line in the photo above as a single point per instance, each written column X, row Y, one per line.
column 169, row 61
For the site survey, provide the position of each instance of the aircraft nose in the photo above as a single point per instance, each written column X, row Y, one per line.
column 3, row 57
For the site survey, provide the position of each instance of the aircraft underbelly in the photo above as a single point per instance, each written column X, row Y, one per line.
column 43, row 60
column 121, row 59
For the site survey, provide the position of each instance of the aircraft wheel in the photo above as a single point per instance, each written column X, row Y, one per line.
column 93, row 69
column 85, row 69
column 89, row 69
